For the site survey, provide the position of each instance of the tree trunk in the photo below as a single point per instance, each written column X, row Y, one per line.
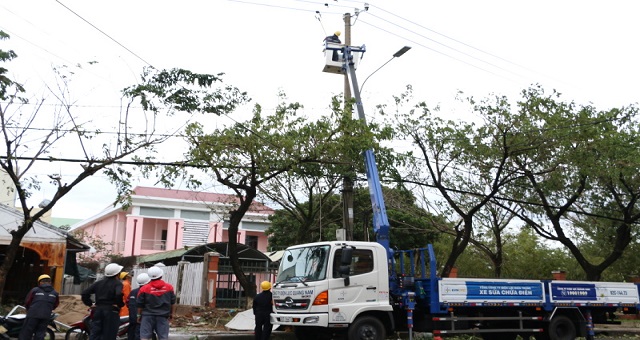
column 459, row 245
column 10, row 255
column 234, row 221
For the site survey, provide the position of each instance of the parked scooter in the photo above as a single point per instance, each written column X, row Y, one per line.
column 80, row 330
column 11, row 324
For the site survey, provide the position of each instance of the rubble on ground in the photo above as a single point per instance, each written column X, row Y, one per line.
column 71, row 309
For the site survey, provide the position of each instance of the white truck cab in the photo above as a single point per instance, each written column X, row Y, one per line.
column 330, row 284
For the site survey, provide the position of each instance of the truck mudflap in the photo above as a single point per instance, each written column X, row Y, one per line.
column 307, row 319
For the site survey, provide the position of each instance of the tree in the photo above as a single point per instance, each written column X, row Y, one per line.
column 580, row 175
column 315, row 219
column 465, row 164
column 26, row 143
column 411, row 227
column 490, row 237
column 526, row 256
column 246, row 155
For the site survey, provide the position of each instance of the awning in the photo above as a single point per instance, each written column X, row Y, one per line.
column 194, row 254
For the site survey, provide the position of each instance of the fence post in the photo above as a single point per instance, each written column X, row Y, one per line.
column 210, row 273
column 181, row 265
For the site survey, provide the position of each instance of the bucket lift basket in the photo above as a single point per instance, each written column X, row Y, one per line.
column 334, row 55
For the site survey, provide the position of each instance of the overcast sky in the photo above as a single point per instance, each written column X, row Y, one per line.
column 588, row 50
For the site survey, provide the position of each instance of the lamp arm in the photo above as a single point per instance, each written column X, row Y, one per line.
column 365, row 81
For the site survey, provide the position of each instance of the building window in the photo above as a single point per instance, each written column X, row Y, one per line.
column 251, row 241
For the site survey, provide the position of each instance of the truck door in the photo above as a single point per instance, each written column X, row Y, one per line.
column 363, row 287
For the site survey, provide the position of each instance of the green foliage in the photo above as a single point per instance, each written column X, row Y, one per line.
column 569, row 172
column 411, row 227
column 8, row 87
column 104, row 251
column 527, row 256
column 180, row 90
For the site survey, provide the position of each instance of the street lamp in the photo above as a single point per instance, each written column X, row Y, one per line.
column 395, row 55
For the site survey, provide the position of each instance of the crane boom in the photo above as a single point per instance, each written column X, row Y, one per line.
column 380, row 219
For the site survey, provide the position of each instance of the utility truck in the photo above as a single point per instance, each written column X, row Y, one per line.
column 366, row 290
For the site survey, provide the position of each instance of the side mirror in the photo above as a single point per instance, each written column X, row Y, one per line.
column 347, row 256
column 345, row 264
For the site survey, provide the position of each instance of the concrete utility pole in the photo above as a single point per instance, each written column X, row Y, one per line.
column 347, row 181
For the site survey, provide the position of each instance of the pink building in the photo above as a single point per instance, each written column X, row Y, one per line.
column 167, row 219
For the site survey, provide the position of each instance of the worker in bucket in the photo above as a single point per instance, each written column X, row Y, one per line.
column 334, row 39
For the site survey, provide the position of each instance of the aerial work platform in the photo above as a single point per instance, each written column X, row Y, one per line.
column 334, row 55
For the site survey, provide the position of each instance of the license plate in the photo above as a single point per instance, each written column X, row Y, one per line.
column 287, row 319
column 2, row 330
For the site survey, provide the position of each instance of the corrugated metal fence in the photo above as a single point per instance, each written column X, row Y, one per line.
column 188, row 288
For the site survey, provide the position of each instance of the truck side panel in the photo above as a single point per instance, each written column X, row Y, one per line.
column 593, row 293
column 490, row 292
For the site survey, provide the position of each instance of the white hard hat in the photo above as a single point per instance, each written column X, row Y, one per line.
column 143, row 279
column 112, row 269
column 155, row 273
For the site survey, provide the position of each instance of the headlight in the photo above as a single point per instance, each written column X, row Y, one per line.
column 312, row 319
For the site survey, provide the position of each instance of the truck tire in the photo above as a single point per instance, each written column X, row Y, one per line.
column 561, row 328
column 367, row 328
column 76, row 333
column 50, row 335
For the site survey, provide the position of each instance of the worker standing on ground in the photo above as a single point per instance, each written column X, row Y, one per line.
column 40, row 302
column 134, row 326
column 108, row 301
column 156, row 306
column 262, row 308
column 126, row 290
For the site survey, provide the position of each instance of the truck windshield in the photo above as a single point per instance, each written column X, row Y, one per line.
column 304, row 264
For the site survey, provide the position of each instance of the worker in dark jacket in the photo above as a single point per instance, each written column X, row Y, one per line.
column 334, row 39
column 134, row 326
column 108, row 301
column 262, row 308
column 156, row 305
column 40, row 302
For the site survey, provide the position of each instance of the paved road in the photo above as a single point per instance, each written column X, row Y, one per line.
column 616, row 334
column 182, row 335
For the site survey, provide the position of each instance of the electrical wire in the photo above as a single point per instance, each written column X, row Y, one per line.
column 448, row 47
column 439, row 52
column 104, row 33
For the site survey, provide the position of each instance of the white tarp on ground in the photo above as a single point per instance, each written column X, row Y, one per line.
column 244, row 321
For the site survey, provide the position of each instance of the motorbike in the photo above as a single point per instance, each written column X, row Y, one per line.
column 80, row 330
column 11, row 324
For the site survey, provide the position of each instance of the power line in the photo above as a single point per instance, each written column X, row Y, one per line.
column 104, row 33
column 468, row 45
column 447, row 46
column 439, row 52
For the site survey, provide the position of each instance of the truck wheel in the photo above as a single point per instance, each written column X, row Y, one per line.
column 50, row 335
column 561, row 328
column 367, row 328
column 76, row 333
